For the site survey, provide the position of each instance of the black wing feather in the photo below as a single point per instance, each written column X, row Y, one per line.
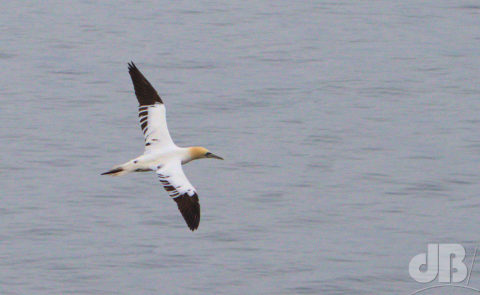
column 146, row 94
column 190, row 209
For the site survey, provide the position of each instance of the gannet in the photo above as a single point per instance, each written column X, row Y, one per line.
column 161, row 154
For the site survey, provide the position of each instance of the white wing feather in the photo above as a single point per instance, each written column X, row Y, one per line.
column 181, row 191
column 174, row 180
column 153, row 122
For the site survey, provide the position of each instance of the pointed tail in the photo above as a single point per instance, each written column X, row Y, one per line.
column 116, row 171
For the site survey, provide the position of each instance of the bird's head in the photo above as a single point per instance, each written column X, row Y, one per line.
column 199, row 152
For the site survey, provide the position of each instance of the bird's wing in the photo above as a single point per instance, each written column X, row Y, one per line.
column 175, row 182
column 151, row 112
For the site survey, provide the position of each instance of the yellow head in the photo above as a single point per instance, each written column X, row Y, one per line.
column 199, row 152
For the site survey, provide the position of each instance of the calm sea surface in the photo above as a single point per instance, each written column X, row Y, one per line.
column 350, row 129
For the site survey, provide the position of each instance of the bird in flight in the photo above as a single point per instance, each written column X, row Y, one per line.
column 161, row 154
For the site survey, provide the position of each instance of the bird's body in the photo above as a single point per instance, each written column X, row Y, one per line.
column 161, row 154
column 154, row 160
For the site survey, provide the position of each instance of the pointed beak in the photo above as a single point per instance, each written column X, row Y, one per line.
column 215, row 156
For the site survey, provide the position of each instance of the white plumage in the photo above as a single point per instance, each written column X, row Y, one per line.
column 161, row 154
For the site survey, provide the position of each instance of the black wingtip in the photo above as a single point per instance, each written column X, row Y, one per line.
column 190, row 209
column 146, row 94
column 132, row 66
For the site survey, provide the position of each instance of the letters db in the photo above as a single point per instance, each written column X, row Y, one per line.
column 444, row 261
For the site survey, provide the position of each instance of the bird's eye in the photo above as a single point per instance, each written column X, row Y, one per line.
column 208, row 154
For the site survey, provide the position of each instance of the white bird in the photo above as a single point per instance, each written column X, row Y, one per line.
column 161, row 154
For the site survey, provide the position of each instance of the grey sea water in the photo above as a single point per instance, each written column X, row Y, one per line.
column 350, row 129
